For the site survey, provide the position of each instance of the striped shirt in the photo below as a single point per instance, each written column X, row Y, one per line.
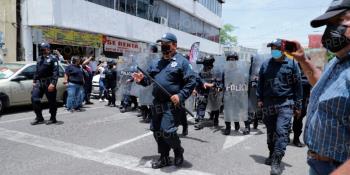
column 327, row 129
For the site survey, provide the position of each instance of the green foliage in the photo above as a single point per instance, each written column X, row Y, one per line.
column 226, row 36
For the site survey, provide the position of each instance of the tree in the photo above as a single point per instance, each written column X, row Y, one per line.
column 226, row 36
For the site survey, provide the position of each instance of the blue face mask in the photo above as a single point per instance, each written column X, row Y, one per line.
column 276, row 54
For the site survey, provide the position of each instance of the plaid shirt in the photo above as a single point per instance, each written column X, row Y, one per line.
column 327, row 129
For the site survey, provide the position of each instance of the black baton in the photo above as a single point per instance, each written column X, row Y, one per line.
column 163, row 90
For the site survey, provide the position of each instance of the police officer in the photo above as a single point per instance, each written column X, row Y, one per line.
column 207, row 86
column 174, row 73
column 234, row 57
column 45, row 81
column 279, row 94
column 111, row 82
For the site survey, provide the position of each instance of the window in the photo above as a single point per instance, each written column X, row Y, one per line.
column 143, row 8
column 29, row 72
column 131, row 7
column 159, row 10
column 185, row 22
column 173, row 17
column 122, row 5
column 106, row 3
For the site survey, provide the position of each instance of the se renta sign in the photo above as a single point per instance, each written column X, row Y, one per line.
column 120, row 45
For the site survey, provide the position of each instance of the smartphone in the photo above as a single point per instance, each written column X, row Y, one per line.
column 289, row 46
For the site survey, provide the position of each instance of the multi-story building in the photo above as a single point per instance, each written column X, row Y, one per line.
column 118, row 27
column 8, row 30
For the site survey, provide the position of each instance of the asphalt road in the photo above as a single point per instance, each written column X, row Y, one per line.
column 103, row 141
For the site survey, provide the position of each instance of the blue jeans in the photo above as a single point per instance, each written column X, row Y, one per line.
column 320, row 167
column 277, row 124
column 75, row 96
column 103, row 93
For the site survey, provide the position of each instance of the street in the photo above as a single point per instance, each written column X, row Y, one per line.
column 101, row 140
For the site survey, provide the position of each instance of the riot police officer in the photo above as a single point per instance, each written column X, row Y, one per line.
column 111, row 82
column 207, row 92
column 45, row 81
column 174, row 73
column 234, row 57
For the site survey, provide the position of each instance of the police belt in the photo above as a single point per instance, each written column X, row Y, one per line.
column 44, row 80
column 315, row 156
column 160, row 108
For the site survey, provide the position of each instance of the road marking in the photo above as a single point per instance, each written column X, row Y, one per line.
column 47, row 115
column 125, row 142
column 88, row 153
column 231, row 141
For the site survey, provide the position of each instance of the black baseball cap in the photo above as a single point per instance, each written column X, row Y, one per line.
column 336, row 8
column 168, row 37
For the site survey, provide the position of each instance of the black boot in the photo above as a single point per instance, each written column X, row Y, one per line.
column 52, row 120
column 297, row 142
column 198, row 125
column 163, row 161
column 276, row 164
column 237, row 126
column 228, row 128
column 179, row 157
column 268, row 161
column 184, row 130
column 37, row 122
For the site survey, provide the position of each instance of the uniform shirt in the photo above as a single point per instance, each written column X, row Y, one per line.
column 280, row 80
column 175, row 75
column 46, row 68
column 327, row 129
column 111, row 77
column 212, row 76
column 75, row 74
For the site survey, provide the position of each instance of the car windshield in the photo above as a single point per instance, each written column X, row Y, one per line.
column 7, row 70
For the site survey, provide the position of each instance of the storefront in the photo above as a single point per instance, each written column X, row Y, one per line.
column 68, row 42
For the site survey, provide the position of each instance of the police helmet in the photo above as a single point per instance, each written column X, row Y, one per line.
column 232, row 56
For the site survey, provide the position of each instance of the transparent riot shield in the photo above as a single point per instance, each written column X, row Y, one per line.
column 236, row 91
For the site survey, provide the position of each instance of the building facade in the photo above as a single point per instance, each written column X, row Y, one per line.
column 118, row 27
column 8, row 30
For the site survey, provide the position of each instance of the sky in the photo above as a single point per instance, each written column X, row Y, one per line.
column 258, row 22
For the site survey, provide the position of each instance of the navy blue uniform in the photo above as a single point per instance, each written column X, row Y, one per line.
column 47, row 72
column 177, row 77
column 111, row 84
column 280, row 90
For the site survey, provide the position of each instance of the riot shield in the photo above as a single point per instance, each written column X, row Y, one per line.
column 216, row 94
column 256, row 62
column 145, row 96
column 125, row 68
column 236, row 91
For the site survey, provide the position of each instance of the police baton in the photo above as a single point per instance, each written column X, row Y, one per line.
column 163, row 89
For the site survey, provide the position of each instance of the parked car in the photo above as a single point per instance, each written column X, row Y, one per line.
column 16, row 84
column 95, row 86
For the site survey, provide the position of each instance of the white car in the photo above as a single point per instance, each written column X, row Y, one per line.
column 95, row 86
column 16, row 84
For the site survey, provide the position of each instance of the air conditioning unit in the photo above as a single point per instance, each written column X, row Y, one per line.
column 164, row 21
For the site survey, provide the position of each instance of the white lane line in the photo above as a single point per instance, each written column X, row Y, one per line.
column 87, row 153
column 46, row 115
column 231, row 141
column 125, row 142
